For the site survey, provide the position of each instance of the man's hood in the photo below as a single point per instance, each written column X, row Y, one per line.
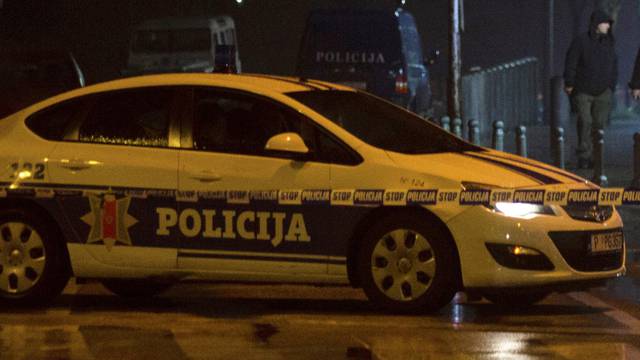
column 599, row 17
column 490, row 167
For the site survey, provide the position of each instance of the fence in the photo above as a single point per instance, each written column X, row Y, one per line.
column 506, row 92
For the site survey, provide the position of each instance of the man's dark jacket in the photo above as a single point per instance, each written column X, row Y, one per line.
column 591, row 65
column 635, row 78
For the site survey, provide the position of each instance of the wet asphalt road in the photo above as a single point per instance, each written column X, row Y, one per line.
column 220, row 321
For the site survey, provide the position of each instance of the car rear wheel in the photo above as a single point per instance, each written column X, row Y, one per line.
column 135, row 287
column 407, row 264
column 515, row 299
column 33, row 267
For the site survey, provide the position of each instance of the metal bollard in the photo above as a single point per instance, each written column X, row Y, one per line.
column 598, row 159
column 521, row 140
column 635, row 183
column 457, row 127
column 497, row 140
column 473, row 129
column 445, row 123
column 558, row 142
column 559, row 113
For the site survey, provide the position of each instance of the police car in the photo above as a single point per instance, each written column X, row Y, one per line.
column 146, row 181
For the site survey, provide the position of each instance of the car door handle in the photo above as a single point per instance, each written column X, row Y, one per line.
column 75, row 164
column 206, row 176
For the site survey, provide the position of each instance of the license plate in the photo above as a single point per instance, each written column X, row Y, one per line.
column 606, row 242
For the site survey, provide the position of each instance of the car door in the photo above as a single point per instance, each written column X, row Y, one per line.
column 243, row 209
column 115, row 168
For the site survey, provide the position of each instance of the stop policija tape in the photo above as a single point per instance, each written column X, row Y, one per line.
column 360, row 197
column 424, row 197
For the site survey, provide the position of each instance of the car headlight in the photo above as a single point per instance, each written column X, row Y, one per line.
column 511, row 209
column 523, row 209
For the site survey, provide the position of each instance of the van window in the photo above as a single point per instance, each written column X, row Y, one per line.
column 151, row 41
column 229, row 36
column 166, row 41
column 190, row 40
column 411, row 45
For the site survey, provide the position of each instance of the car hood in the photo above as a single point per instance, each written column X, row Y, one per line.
column 488, row 167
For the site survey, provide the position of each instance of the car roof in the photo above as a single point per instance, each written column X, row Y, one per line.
column 258, row 83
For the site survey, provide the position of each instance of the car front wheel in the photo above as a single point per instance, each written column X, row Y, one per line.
column 407, row 264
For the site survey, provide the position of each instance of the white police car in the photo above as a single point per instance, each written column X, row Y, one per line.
column 145, row 181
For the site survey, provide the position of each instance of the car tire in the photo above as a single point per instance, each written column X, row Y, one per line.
column 34, row 265
column 132, row 288
column 516, row 299
column 406, row 264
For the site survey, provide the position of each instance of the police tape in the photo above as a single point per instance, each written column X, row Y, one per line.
column 422, row 197
column 364, row 197
column 457, row 197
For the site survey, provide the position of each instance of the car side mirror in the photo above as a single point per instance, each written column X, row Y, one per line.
column 288, row 144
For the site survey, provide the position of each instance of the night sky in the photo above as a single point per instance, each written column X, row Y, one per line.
column 269, row 32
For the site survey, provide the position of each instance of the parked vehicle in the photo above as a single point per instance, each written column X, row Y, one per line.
column 374, row 50
column 27, row 77
column 180, row 45
column 146, row 181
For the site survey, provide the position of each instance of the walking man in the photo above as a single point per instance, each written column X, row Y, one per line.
column 635, row 79
column 590, row 77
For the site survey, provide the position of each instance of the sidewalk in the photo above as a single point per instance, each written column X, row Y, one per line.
column 618, row 149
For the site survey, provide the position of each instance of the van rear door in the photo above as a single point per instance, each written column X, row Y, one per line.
column 357, row 48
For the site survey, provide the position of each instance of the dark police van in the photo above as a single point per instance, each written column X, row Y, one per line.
column 375, row 50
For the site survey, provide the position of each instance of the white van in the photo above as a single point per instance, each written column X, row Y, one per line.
column 180, row 45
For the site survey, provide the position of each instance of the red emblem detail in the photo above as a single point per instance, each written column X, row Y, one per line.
column 109, row 225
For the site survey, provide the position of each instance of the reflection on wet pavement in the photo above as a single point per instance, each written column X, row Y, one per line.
column 109, row 342
column 195, row 321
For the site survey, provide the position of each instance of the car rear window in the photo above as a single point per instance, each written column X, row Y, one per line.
column 138, row 117
column 51, row 123
column 381, row 124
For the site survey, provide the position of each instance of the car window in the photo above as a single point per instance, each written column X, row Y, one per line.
column 134, row 117
column 242, row 124
column 381, row 124
column 151, row 41
column 191, row 40
column 51, row 123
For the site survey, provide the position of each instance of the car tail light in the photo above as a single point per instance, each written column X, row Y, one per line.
column 402, row 86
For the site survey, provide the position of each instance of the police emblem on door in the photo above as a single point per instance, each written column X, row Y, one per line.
column 109, row 220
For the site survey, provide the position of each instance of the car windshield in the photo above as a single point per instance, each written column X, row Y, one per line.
column 381, row 124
